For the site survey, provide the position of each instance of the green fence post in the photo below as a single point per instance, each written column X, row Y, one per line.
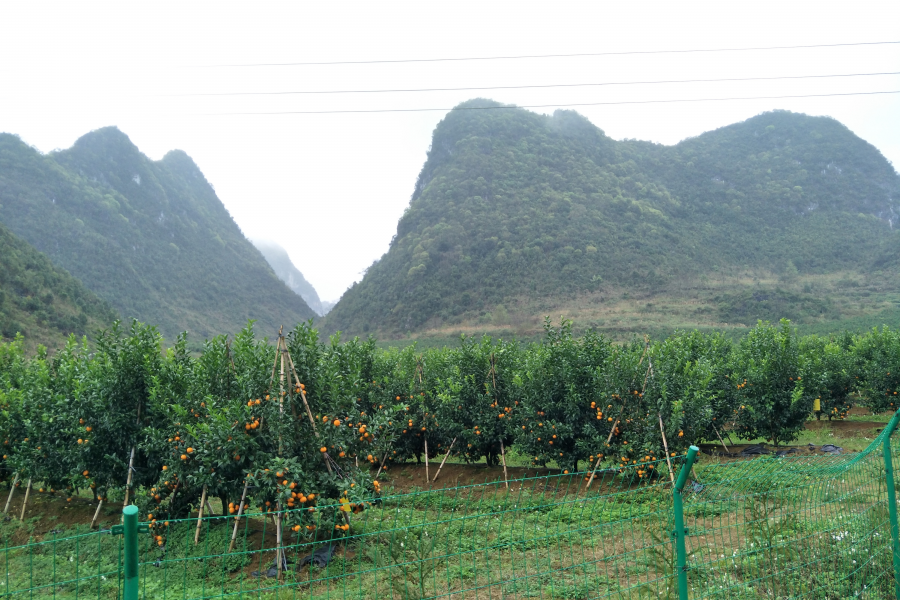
column 680, row 531
column 131, row 552
column 892, row 500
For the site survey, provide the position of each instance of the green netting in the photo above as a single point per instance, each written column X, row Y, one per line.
column 805, row 526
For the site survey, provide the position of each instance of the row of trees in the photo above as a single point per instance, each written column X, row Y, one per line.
column 300, row 420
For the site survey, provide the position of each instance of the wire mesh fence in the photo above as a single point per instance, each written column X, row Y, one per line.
column 809, row 526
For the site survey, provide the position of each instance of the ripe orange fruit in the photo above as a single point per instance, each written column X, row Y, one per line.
column 184, row 457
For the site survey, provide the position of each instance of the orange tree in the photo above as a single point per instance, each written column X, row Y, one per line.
column 877, row 364
column 767, row 374
column 478, row 398
column 215, row 407
column 560, row 396
column 404, row 398
column 111, row 407
column 14, row 370
column 233, row 424
column 31, row 430
column 684, row 388
column 828, row 373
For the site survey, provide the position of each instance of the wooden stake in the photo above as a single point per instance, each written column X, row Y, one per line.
column 720, row 438
column 11, row 490
column 503, row 460
column 312, row 421
column 280, row 391
column 278, row 551
column 237, row 519
column 662, row 430
column 131, row 463
column 427, row 476
column 128, row 481
column 600, row 456
column 378, row 472
column 302, row 393
column 24, row 504
column 96, row 513
column 200, row 517
column 443, row 461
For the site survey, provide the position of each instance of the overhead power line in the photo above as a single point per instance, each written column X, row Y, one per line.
column 522, row 87
column 507, row 107
column 525, row 56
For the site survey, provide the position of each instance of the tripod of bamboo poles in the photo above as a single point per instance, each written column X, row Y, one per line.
column 287, row 373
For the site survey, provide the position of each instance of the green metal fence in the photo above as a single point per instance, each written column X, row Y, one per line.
column 794, row 526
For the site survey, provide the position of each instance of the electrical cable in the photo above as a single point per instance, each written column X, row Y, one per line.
column 675, row 100
column 527, row 56
column 522, row 87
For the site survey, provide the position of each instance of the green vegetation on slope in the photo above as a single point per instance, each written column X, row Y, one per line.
column 512, row 206
column 149, row 237
column 43, row 302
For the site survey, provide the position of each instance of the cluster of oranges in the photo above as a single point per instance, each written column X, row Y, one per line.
column 162, row 492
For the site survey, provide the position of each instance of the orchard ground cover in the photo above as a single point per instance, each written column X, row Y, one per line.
column 764, row 528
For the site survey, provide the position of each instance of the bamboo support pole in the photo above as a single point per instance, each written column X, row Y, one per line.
column 302, row 392
column 503, row 460
column 25, row 503
column 383, row 460
column 12, row 489
column 662, row 430
column 443, row 461
column 600, row 456
column 427, row 476
column 281, row 392
column 237, row 519
column 278, row 541
column 720, row 439
column 130, row 475
column 200, row 517
column 312, row 421
column 128, row 480
column 97, row 513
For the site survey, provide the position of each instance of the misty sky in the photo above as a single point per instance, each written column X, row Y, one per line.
column 330, row 187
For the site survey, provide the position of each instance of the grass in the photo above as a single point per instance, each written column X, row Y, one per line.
column 817, row 304
column 801, row 526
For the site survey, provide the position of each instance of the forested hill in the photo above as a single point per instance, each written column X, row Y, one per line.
column 42, row 302
column 280, row 261
column 149, row 237
column 512, row 206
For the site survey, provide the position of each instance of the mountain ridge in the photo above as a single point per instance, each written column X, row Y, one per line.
column 150, row 237
column 512, row 207
column 284, row 268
